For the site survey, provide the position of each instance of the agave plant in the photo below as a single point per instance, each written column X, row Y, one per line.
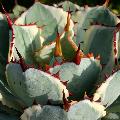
column 44, row 75
column 78, row 15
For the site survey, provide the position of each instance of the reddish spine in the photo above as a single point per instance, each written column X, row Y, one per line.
column 115, row 47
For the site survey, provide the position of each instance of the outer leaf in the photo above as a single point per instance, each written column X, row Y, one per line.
column 47, row 16
column 31, row 113
column 67, row 5
column 9, row 99
column 45, row 113
column 46, row 53
column 86, row 110
column 4, row 35
column 101, row 15
column 97, row 15
column 18, row 10
column 4, row 116
column 99, row 41
column 81, row 78
column 34, row 84
column 4, row 46
column 112, row 116
column 109, row 91
column 77, row 12
column 78, row 15
column 8, row 111
column 28, row 41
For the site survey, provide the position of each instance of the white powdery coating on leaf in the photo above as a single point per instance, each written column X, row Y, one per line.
column 26, row 37
column 57, row 14
column 86, row 110
column 34, row 83
column 68, row 70
column 47, row 84
column 109, row 91
column 52, row 113
column 112, row 116
column 28, row 113
column 45, row 113
column 46, row 51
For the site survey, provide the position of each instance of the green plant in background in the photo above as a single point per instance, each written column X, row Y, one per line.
column 54, row 63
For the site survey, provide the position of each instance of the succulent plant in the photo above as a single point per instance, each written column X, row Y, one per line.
column 75, row 75
column 96, row 15
column 44, row 74
column 46, row 112
column 98, row 36
column 78, row 15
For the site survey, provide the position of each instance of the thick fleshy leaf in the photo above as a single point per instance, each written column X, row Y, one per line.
column 47, row 17
column 18, row 10
column 34, row 84
column 31, row 113
column 81, row 78
column 109, row 91
column 86, row 110
column 45, row 53
column 4, row 47
column 77, row 12
column 4, row 116
column 113, row 111
column 45, row 113
column 78, row 28
column 9, row 99
column 27, row 41
column 78, row 15
column 97, row 15
column 2, row 72
column 101, row 15
column 112, row 116
column 68, row 50
column 68, row 6
column 8, row 111
column 100, row 41
column 33, row 52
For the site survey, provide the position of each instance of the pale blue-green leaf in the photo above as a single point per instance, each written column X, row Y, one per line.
column 81, row 78
column 34, row 84
column 45, row 113
column 27, row 41
column 86, row 110
column 109, row 91
column 101, row 15
column 47, row 16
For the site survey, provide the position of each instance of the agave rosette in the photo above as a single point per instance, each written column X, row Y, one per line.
column 29, row 37
column 48, row 77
